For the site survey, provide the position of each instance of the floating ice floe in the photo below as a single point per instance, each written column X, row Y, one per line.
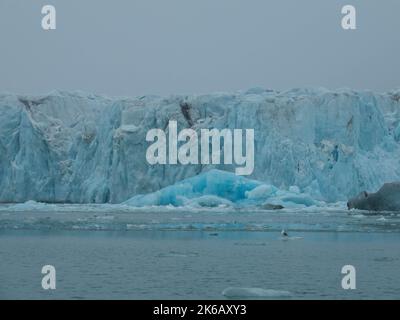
column 31, row 205
column 238, row 292
column 34, row 206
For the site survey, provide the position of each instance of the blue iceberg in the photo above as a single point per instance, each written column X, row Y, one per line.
column 216, row 188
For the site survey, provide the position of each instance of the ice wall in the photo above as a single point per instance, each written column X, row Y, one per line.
column 76, row 147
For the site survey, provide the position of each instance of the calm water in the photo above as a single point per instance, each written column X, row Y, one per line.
column 196, row 255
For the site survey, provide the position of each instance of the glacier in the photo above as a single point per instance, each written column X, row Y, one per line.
column 74, row 147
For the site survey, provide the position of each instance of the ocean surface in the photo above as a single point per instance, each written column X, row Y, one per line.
column 116, row 252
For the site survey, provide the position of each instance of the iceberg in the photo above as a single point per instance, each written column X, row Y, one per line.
column 208, row 189
column 217, row 188
column 74, row 147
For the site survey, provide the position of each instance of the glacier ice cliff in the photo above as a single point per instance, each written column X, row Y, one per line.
column 83, row 148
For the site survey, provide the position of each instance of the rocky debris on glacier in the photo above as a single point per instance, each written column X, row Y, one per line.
column 386, row 198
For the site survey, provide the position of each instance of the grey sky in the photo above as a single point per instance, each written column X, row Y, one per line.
column 134, row 47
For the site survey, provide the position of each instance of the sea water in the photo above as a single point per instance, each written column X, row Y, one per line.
column 111, row 252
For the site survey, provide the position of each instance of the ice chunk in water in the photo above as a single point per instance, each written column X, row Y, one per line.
column 238, row 292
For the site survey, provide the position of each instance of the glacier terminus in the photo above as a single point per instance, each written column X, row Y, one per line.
column 74, row 147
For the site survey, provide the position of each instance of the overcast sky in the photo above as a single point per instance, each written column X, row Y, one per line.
column 135, row 47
